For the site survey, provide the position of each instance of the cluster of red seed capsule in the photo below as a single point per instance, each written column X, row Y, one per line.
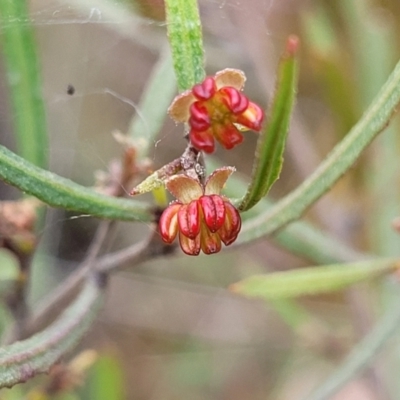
column 215, row 110
column 202, row 217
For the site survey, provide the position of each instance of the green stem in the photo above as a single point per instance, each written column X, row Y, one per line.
column 185, row 38
column 57, row 191
column 290, row 208
column 24, row 81
column 299, row 237
column 22, row 360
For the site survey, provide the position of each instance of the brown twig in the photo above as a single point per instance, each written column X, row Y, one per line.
column 138, row 253
column 66, row 290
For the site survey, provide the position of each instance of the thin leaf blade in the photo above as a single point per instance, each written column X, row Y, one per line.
column 60, row 192
column 312, row 280
column 22, row 66
column 186, row 41
column 300, row 237
column 375, row 119
column 271, row 143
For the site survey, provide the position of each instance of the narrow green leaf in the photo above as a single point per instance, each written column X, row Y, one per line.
column 271, row 143
column 291, row 312
column 158, row 94
column 23, row 76
column 185, row 38
column 299, row 237
column 312, row 280
column 22, row 360
column 375, row 120
column 60, row 192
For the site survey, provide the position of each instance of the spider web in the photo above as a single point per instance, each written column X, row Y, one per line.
column 105, row 52
column 96, row 56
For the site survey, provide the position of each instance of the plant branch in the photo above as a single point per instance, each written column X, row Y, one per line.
column 22, row 360
column 137, row 253
column 68, row 288
column 300, row 237
column 57, row 191
column 290, row 208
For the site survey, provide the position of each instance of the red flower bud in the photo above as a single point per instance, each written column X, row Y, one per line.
column 213, row 210
column 201, row 215
column 234, row 100
column 216, row 110
column 205, row 90
column 189, row 219
column 168, row 223
column 232, row 224
column 210, row 242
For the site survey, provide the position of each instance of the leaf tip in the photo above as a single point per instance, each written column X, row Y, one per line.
column 292, row 45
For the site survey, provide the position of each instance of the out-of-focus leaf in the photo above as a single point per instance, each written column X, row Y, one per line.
column 16, row 393
column 271, row 143
column 312, row 280
column 291, row 312
column 19, row 49
column 106, row 380
column 66, row 396
column 185, row 38
column 329, row 67
column 9, row 270
column 8, row 266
